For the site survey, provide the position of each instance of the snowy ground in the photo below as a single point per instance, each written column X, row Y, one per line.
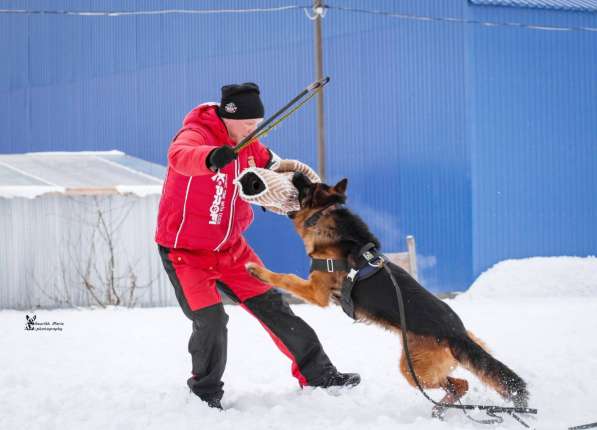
column 126, row 369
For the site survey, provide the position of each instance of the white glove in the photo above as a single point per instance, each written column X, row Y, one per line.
column 269, row 189
column 296, row 166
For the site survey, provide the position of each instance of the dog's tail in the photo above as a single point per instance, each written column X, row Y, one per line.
column 472, row 355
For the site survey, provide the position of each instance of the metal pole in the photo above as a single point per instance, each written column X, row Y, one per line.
column 318, row 9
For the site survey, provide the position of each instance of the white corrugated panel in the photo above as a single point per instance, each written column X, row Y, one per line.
column 52, row 243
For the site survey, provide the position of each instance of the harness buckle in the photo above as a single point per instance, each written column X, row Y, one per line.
column 329, row 264
column 379, row 262
column 368, row 255
column 352, row 274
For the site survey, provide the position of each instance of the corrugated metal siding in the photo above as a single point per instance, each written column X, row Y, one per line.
column 575, row 5
column 396, row 128
column 429, row 120
column 534, row 103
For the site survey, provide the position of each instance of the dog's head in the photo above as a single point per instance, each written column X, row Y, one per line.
column 315, row 195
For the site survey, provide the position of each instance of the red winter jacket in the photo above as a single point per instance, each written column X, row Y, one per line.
column 200, row 209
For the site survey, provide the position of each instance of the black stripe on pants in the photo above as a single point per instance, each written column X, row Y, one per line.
column 208, row 343
column 296, row 335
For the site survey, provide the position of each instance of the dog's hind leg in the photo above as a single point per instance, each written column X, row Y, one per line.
column 432, row 363
column 474, row 357
column 455, row 388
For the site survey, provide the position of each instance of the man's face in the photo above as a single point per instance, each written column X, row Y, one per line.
column 238, row 129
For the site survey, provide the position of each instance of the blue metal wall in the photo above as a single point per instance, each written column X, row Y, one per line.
column 476, row 140
column 396, row 128
column 532, row 131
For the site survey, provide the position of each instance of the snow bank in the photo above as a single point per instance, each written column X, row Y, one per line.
column 537, row 277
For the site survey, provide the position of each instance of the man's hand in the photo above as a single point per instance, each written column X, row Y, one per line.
column 220, row 157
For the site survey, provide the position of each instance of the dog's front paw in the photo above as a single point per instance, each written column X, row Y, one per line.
column 256, row 271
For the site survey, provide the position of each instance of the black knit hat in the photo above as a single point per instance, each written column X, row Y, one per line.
column 241, row 102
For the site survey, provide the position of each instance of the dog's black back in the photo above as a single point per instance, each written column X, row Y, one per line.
column 425, row 313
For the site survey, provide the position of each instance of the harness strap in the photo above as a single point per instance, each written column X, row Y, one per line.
column 313, row 219
column 369, row 262
column 329, row 265
column 346, row 296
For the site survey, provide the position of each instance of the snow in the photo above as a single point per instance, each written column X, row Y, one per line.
column 537, row 277
column 33, row 174
column 124, row 368
column 62, row 153
column 139, row 190
column 33, row 191
column 28, row 191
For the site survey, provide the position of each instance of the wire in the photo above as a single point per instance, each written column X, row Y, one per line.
column 148, row 12
column 322, row 13
column 454, row 20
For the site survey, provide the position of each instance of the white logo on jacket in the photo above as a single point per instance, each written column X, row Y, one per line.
column 216, row 210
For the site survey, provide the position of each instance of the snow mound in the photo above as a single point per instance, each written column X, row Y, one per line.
column 537, row 277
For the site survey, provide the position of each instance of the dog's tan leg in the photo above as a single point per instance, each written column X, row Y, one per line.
column 307, row 290
column 455, row 388
column 433, row 362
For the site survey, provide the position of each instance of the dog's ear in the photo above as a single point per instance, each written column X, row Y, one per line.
column 300, row 181
column 340, row 187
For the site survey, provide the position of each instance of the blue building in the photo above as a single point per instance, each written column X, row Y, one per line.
column 470, row 124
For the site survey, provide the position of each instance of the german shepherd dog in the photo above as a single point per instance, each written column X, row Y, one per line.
column 437, row 339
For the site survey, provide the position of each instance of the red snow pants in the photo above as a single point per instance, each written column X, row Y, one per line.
column 198, row 277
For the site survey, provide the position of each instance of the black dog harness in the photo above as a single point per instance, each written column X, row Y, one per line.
column 369, row 262
column 314, row 219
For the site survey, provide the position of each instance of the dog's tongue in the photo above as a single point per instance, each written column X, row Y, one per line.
column 251, row 184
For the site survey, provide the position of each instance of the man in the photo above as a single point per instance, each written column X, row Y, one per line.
column 199, row 234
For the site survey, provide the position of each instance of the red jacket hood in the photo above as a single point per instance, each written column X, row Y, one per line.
column 205, row 116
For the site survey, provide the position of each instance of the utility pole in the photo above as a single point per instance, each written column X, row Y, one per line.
column 319, row 9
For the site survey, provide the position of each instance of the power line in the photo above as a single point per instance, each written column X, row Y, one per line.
column 306, row 8
column 150, row 12
column 455, row 20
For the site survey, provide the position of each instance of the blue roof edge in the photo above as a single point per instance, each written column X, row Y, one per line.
column 559, row 5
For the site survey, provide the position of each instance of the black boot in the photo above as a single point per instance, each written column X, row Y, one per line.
column 212, row 400
column 337, row 379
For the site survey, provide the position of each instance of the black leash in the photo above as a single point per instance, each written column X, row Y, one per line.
column 282, row 113
column 490, row 410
